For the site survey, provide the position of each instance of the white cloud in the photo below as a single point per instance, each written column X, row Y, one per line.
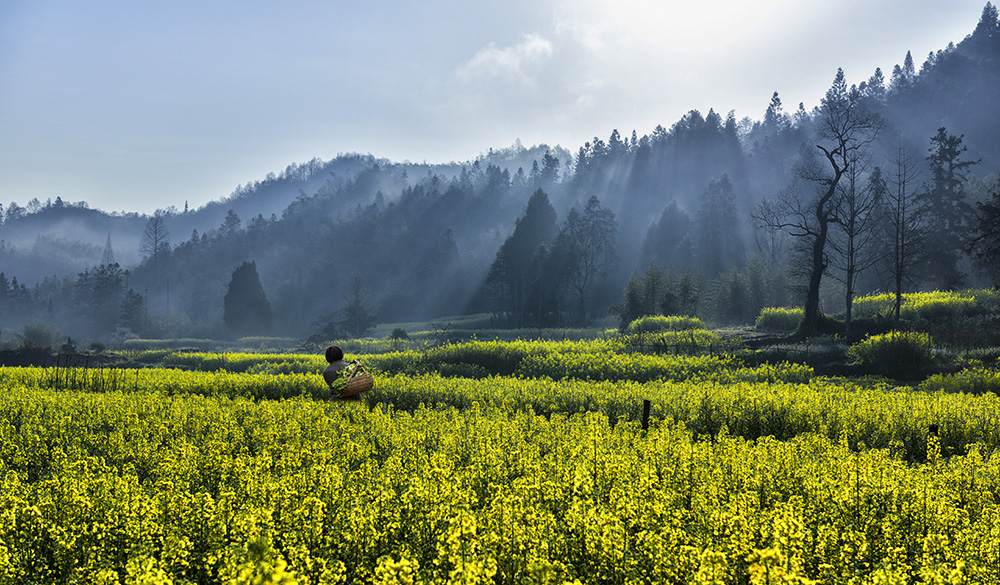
column 518, row 63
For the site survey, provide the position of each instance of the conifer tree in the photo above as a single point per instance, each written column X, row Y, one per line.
column 246, row 310
column 949, row 215
column 985, row 245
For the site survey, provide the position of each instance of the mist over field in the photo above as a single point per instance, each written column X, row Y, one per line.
column 550, row 235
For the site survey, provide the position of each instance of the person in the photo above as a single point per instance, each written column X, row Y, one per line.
column 335, row 356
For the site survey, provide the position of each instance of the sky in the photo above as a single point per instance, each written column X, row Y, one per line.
column 142, row 105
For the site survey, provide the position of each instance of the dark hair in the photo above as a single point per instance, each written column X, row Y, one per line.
column 334, row 354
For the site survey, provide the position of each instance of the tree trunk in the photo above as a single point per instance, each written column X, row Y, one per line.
column 810, row 313
column 899, row 297
column 850, row 304
column 849, row 278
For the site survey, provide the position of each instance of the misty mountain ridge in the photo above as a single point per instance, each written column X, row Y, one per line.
column 64, row 238
column 407, row 225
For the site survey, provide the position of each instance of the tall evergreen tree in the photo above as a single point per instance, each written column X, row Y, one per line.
column 588, row 241
column 949, row 215
column 989, row 22
column 510, row 273
column 246, row 310
column 775, row 119
column 985, row 244
column 664, row 241
column 108, row 256
column 720, row 240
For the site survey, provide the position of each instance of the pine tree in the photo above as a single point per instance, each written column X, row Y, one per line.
column 985, row 246
column 155, row 244
column 663, row 242
column 510, row 273
column 989, row 23
column 108, row 257
column 588, row 242
column 246, row 310
column 720, row 243
column 357, row 318
column 949, row 216
column 775, row 119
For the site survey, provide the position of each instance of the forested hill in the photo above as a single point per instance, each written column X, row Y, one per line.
column 415, row 241
column 952, row 89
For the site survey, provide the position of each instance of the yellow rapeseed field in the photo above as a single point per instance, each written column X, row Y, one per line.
column 535, row 470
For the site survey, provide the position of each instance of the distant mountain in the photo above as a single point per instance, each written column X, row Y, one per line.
column 62, row 239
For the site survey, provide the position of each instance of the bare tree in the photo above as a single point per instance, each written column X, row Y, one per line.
column 845, row 129
column 771, row 241
column 155, row 243
column 356, row 315
column 855, row 243
column 907, row 241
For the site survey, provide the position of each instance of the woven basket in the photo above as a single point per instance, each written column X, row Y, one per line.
column 360, row 380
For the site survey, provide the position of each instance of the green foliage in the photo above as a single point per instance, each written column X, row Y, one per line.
column 973, row 381
column 779, row 318
column 399, row 333
column 655, row 292
column 646, row 368
column 658, row 323
column 732, row 297
column 645, row 295
column 893, row 350
column 934, row 306
column 451, row 475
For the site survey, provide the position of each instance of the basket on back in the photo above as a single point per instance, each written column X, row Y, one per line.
column 358, row 381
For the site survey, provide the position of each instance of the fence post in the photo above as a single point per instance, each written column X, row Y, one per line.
column 645, row 415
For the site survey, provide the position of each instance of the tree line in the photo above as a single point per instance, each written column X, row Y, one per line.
column 715, row 216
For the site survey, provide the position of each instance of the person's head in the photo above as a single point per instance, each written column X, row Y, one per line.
column 334, row 354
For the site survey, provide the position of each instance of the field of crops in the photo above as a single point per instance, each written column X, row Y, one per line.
column 518, row 462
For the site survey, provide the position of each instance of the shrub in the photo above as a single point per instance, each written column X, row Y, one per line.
column 657, row 323
column 932, row 306
column 779, row 318
column 974, row 381
column 399, row 333
column 893, row 349
column 41, row 334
